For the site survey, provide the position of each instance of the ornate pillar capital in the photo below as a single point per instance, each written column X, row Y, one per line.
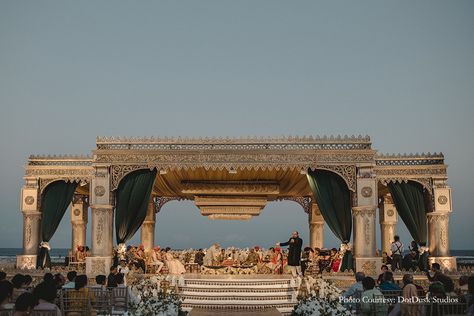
column 363, row 211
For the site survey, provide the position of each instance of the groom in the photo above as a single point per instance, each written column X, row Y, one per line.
column 294, row 253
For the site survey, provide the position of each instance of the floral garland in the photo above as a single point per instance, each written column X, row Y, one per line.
column 155, row 296
column 319, row 297
column 229, row 270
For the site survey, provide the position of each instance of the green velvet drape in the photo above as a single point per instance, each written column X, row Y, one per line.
column 333, row 198
column 55, row 201
column 133, row 196
column 409, row 201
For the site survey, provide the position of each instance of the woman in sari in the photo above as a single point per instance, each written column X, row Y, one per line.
column 174, row 265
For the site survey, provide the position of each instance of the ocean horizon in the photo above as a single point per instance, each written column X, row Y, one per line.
column 464, row 256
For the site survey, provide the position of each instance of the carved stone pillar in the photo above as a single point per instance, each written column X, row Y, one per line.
column 363, row 215
column 438, row 227
column 31, row 225
column 316, row 227
column 31, row 232
column 364, row 231
column 388, row 222
column 438, row 238
column 102, row 230
column 78, row 223
column 102, row 226
column 147, row 232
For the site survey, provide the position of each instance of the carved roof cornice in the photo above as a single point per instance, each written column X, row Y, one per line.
column 59, row 160
column 223, row 143
column 409, row 159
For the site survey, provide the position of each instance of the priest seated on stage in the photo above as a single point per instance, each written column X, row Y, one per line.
column 252, row 258
column 228, row 262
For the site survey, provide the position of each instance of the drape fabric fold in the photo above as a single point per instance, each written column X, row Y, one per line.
column 410, row 203
column 333, row 198
column 55, row 201
column 132, row 198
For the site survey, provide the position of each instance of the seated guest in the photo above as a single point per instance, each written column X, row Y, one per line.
column 414, row 247
column 59, row 280
column 370, row 299
column 275, row 260
column 252, row 258
column 18, row 282
column 3, row 275
column 119, row 302
column 123, row 269
column 356, row 287
column 80, row 296
column 463, row 285
column 423, row 261
column 229, row 262
column 48, row 277
column 174, row 265
column 306, row 259
column 409, row 261
column 46, row 293
column 222, row 256
column 156, row 259
column 199, row 257
column 6, row 291
column 28, row 280
column 24, row 304
column 439, row 276
column 384, row 269
column 71, row 277
column 388, row 283
column 410, row 293
column 111, row 281
column 100, row 282
column 386, row 259
column 335, row 260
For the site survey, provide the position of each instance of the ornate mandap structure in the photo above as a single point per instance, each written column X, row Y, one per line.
column 234, row 178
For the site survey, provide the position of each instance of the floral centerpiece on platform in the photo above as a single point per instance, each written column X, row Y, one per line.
column 155, row 296
column 319, row 297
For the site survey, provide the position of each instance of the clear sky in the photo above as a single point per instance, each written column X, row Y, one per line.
column 399, row 71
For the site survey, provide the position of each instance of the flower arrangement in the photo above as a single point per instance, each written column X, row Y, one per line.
column 155, row 296
column 316, row 306
column 319, row 297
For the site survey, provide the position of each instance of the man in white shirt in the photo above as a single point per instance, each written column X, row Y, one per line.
column 123, row 269
column 397, row 251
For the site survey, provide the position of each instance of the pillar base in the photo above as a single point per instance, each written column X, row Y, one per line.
column 98, row 265
column 369, row 265
column 26, row 262
column 446, row 263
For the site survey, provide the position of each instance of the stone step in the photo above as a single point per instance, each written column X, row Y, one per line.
column 239, row 283
column 237, row 291
column 237, row 299
column 232, row 306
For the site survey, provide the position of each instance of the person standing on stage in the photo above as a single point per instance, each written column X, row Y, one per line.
column 397, row 250
column 294, row 253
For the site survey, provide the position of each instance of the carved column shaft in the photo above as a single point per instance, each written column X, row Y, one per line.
column 31, row 232
column 147, row 233
column 364, row 231
column 102, row 230
column 388, row 222
column 316, row 227
column 79, row 224
column 438, row 238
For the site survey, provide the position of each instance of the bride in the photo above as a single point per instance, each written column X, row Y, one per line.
column 174, row 265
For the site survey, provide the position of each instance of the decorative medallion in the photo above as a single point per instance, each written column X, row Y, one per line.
column 442, row 199
column 390, row 213
column 99, row 190
column 366, row 192
column 77, row 212
column 29, row 200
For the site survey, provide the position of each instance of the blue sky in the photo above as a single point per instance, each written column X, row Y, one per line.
column 400, row 71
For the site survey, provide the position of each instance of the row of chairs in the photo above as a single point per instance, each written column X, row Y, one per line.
column 91, row 301
column 94, row 301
